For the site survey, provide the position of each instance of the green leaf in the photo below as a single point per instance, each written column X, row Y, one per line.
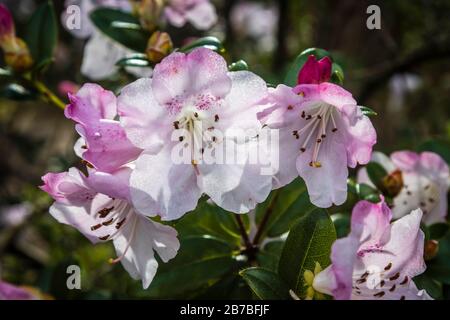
column 432, row 287
column 309, row 241
column 342, row 224
column 368, row 111
column 201, row 262
column 121, row 27
column 5, row 73
column 266, row 285
column 15, row 91
column 376, row 174
column 437, row 268
column 285, row 206
column 134, row 60
column 239, row 65
column 337, row 74
column 42, row 33
column 268, row 257
column 209, row 219
column 441, row 147
column 366, row 192
column 207, row 42
column 438, row 230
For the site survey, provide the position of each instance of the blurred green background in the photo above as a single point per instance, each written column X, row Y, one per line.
column 400, row 71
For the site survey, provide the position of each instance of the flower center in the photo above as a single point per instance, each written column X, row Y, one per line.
column 318, row 121
column 195, row 128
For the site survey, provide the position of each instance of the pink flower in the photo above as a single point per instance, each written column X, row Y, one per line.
column 377, row 260
column 7, row 28
column 99, row 205
column 104, row 143
column 201, row 13
column 11, row 292
column 322, row 132
column 193, row 107
column 425, row 183
column 315, row 71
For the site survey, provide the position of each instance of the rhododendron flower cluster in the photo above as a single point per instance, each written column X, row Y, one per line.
column 377, row 260
column 322, row 132
column 425, row 182
column 99, row 204
column 204, row 177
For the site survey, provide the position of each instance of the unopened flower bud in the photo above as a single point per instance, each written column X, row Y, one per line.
column 392, row 183
column 431, row 249
column 149, row 12
column 159, row 46
column 17, row 55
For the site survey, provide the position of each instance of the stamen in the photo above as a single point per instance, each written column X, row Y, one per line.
column 133, row 232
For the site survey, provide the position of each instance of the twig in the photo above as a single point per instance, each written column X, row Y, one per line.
column 280, row 53
column 48, row 95
column 264, row 220
column 244, row 235
column 431, row 51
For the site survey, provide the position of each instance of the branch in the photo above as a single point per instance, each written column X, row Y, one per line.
column 431, row 51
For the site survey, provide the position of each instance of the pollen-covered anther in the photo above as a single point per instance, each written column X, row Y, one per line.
column 315, row 164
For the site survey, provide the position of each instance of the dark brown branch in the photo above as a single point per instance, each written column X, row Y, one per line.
column 243, row 231
column 431, row 51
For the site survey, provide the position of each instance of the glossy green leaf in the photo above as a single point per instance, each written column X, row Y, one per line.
column 437, row 268
column 42, row 33
column 266, row 285
column 309, row 241
column 209, row 219
column 15, row 91
column 368, row 111
column 376, row 174
column 121, row 27
column 432, row 287
column 342, row 224
column 337, row 74
column 207, row 42
column 239, row 65
column 201, row 262
column 268, row 256
column 284, row 207
column 438, row 230
column 134, row 60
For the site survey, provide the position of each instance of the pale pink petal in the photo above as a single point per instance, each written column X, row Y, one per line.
column 243, row 101
column 202, row 16
column 360, row 135
column 68, row 187
column 326, row 185
column 137, row 242
column 175, row 18
column 90, row 104
column 106, row 144
column 433, row 166
column 177, row 78
column 405, row 160
column 146, row 123
column 159, row 186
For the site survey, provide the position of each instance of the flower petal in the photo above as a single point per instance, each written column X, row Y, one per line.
column 327, row 184
column 146, row 123
column 360, row 135
column 137, row 243
column 159, row 186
